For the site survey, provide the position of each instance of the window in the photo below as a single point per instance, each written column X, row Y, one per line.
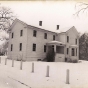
column 11, row 47
column 44, row 48
column 20, row 48
column 45, row 35
column 34, row 47
column 53, row 37
column 60, row 49
column 76, row 51
column 34, row 33
column 12, row 35
column 53, row 48
column 76, row 41
column 67, row 50
column 21, row 32
column 67, row 38
column 73, row 52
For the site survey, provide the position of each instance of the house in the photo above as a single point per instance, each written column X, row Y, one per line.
column 32, row 43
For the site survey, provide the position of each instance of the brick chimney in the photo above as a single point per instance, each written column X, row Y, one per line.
column 40, row 23
column 58, row 27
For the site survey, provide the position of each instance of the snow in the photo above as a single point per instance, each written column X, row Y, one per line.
column 13, row 77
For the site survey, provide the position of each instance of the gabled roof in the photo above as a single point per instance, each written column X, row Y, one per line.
column 62, row 30
column 30, row 26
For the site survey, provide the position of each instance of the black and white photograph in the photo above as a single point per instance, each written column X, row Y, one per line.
column 44, row 44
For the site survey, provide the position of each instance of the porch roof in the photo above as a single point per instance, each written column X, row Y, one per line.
column 56, row 42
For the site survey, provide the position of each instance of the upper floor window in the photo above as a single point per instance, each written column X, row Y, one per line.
column 73, row 52
column 75, row 41
column 45, row 35
column 34, row 33
column 44, row 48
column 53, row 37
column 21, row 32
column 67, row 50
column 11, row 47
column 67, row 38
column 12, row 35
column 34, row 47
column 20, row 48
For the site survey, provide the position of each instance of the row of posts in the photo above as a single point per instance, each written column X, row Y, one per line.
column 47, row 70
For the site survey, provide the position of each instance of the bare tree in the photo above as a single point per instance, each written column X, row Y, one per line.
column 6, row 18
column 82, row 8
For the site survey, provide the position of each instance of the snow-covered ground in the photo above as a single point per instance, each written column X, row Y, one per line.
column 13, row 77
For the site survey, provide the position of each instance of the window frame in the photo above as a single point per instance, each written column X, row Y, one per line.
column 11, row 47
column 73, row 52
column 12, row 35
column 45, row 35
column 67, row 51
column 44, row 48
column 67, row 39
column 53, row 37
column 20, row 47
column 34, row 47
column 76, row 41
column 34, row 33
column 21, row 32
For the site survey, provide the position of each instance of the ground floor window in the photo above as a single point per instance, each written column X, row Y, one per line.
column 11, row 47
column 20, row 48
column 60, row 49
column 67, row 51
column 34, row 47
column 73, row 52
column 44, row 48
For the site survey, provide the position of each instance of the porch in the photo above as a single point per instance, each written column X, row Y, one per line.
column 58, row 48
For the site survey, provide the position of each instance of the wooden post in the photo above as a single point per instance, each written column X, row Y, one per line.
column 47, row 71
column 21, row 65
column 32, row 67
column 67, row 77
column 0, row 59
column 5, row 61
column 12, row 62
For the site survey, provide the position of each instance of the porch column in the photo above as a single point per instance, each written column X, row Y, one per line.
column 69, row 52
column 55, row 48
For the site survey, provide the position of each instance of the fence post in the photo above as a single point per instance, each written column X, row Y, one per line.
column 5, row 61
column 0, row 59
column 21, row 65
column 67, row 77
column 12, row 62
column 32, row 67
column 47, row 71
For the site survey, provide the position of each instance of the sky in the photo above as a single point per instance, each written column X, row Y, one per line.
column 52, row 13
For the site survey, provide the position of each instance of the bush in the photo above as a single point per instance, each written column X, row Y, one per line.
column 50, row 56
column 72, row 61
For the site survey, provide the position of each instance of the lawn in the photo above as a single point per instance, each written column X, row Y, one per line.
column 13, row 77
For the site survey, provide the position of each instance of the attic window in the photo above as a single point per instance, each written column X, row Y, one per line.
column 21, row 32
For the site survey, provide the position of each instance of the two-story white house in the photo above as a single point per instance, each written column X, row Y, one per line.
column 32, row 43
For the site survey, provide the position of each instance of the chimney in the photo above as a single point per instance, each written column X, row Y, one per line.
column 57, row 27
column 40, row 23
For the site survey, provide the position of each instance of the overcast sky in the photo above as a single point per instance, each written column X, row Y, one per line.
column 52, row 13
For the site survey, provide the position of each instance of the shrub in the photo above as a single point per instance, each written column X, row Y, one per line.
column 50, row 56
column 72, row 61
